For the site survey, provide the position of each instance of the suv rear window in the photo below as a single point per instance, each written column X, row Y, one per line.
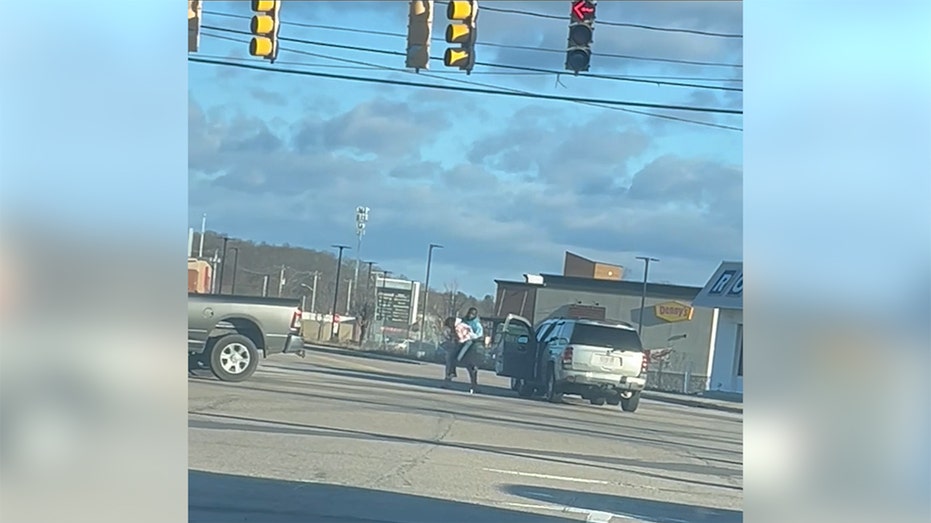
column 605, row 336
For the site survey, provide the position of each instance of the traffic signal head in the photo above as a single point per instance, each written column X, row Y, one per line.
column 419, row 31
column 462, row 30
column 265, row 25
column 581, row 35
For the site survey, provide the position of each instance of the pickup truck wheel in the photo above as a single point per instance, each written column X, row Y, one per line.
column 630, row 404
column 234, row 358
column 553, row 395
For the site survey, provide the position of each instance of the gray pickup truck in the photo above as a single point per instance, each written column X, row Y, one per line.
column 230, row 334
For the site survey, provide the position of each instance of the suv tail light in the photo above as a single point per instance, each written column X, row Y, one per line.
column 645, row 365
column 567, row 356
column 296, row 320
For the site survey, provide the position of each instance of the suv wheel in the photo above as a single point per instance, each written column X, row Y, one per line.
column 553, row 395
column 630, row 404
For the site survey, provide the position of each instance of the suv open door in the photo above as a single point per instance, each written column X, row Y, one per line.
column 516, row 348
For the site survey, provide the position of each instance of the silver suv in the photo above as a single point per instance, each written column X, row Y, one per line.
column 601, row 361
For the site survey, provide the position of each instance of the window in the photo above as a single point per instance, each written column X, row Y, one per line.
column 740, row 350
column 605, row 336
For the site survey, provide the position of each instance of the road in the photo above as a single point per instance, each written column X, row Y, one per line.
column 339, row 437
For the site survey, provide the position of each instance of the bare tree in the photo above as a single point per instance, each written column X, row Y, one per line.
column 454, row 298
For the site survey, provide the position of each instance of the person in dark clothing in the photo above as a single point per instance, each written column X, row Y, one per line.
column 458, row 335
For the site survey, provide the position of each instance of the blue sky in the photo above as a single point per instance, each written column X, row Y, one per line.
column 506, row 184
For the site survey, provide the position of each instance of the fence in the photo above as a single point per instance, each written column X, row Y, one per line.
column 666, row 381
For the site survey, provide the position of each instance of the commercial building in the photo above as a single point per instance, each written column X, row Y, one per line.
column 724, row 295
column 670, row 319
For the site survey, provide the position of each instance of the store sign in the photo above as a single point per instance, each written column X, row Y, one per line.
column 673, row 311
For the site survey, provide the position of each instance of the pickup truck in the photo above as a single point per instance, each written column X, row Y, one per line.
column 230, row 334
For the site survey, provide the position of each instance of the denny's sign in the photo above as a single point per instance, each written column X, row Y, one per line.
column 673, row 311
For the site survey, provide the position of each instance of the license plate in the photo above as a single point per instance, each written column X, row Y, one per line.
column 608, row 361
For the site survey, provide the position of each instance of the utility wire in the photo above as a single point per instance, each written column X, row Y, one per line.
column 488, row 44
column 619, row 103
column 613, row 24
column 485, row 64
column 478, row 84
column 434, row 73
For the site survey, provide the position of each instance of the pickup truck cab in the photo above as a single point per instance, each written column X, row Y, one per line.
column 601, row 361
column 230, row 334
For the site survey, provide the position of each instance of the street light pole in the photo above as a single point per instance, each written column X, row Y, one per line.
column 334, row 333
column 426, row 290
column 643, row 293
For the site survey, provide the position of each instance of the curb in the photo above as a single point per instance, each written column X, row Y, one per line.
column 694, row 403
column 361, row 353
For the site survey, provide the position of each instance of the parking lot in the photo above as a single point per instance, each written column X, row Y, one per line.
column 340, row 436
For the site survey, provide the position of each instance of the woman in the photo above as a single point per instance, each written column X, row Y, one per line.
column 457, row 334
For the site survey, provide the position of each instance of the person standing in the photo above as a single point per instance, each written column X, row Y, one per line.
column 458, row 335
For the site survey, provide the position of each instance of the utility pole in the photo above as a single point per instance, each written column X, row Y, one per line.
column 203, row 232
column 265, row 286
column 226, row 239
column 235, row 264
column 362, row 216
column 643, row 293
column 426, row 290
column 334, row 333
column 281, row 281
column 313, row 295
column 349, row 298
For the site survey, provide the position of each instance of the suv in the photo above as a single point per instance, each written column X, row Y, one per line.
column 601, row 361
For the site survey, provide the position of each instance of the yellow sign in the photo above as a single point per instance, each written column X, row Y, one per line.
column 673, row 311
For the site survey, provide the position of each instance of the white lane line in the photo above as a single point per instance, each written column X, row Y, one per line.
column 591, row 516
column 548, row 476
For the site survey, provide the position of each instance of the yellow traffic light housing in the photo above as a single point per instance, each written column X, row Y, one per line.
column 462, row 30
column 265, row 26
column 419, row 31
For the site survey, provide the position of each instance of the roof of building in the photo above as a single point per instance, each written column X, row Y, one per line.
column 724, row 289
column 609, row 286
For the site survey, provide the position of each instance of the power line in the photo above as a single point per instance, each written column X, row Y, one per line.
column 619, row 103
column 486, row 64
column 615, row 24
column 370, row 66
column 434, row 73
column 491, row 44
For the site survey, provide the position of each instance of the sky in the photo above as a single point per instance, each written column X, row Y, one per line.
column 505, row 184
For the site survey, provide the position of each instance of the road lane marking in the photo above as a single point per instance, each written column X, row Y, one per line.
column 548, row 476
column 591, row 516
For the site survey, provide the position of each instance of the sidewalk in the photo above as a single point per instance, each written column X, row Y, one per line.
column 724, row 405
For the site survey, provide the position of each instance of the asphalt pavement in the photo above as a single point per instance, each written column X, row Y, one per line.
column 338, row 437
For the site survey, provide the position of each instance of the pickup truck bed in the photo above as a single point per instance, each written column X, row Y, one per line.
column 230, row 334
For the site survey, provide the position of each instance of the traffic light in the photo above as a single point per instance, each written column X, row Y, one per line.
column 419, row 32
column 581, row 32
column 461, row 30
column 194, row 9
column 265, row 25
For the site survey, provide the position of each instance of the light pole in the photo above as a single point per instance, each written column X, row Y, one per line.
column 334, row 333
column 643, row 294
column 426, row 290
column 362, row 216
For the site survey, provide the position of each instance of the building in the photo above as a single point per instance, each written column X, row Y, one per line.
column 724, row 295
column 575, row 265
column 670, row 320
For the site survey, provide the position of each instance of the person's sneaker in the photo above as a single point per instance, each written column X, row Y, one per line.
column 474, row 390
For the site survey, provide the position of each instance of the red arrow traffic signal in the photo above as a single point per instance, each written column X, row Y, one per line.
column 582, row 9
